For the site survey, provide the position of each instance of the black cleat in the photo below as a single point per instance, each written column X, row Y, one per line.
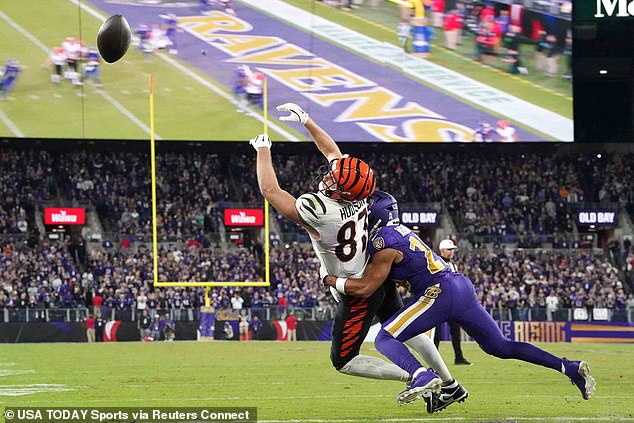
column 463, row 362
column 436, row 402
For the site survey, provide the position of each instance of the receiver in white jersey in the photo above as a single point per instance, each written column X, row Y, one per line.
column 343, row 232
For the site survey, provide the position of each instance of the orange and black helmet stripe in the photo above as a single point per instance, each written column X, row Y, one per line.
column 354, row 178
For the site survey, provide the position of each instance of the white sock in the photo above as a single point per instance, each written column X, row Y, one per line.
column 425, row 347
column 374, row 368
column 419, row 371
column 451, row 385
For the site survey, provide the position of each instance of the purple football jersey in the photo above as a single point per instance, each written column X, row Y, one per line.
column 420, row 271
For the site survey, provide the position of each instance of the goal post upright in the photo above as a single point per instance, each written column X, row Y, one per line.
column 155, row 259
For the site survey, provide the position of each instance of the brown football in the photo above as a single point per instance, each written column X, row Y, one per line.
column 113, row 38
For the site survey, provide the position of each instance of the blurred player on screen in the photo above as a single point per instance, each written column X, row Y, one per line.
column 91, row 67
column 171, row 26
column 57, row 59
column 8, row 77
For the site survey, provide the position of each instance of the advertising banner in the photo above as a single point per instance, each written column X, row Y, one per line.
column 244, row 217
column 64, row 216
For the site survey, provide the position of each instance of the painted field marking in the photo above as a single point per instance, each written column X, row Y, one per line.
column 21, row 390
column 5, row 119
column 4, row 373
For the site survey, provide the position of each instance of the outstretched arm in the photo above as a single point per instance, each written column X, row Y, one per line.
column 374, row 275
column 270, row 189
column 326, row 145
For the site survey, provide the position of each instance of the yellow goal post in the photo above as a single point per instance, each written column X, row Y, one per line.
column 207, row 284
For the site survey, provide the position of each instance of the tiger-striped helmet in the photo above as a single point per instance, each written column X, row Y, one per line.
column 348, row 179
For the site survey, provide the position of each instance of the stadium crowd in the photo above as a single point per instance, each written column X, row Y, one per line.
column 47, row 277
column 510, row 197
column 517, row 197
column 25, row 180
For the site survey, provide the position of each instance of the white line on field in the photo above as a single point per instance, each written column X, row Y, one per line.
column 260, row 398
column 45, row 49
column 24, row 32
column 123, row 110
column 273, row 125
column 16, row 372
column 16, row 131
column 287, row 135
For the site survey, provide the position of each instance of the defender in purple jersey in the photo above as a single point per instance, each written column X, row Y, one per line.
column 399, row 254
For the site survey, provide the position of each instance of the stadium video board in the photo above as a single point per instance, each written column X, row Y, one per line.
column 496, row 72
column 603, row 69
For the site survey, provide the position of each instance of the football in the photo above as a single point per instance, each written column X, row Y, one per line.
column 113, row 38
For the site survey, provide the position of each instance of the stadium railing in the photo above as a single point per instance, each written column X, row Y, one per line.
column 540, row 314
column 275, row 312
column 28, row 315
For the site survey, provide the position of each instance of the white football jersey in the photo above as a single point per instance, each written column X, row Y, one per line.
column 343, row 232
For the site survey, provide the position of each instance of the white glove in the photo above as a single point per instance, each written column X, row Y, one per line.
column 261, row 141
column 296, row 113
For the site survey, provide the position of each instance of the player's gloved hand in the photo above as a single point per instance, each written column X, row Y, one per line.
column 261, row 141
column 296, row 113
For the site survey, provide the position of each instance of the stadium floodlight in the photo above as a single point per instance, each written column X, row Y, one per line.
column 206, row 284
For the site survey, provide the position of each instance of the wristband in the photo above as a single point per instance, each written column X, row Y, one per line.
column 340, row 285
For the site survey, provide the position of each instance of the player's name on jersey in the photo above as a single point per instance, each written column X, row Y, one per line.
column 349, row 211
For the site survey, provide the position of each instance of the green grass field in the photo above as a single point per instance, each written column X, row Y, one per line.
column 294, row 381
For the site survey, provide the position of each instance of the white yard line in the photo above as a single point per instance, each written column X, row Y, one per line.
column 273, row 125
column 16, row 131
column 105, row 95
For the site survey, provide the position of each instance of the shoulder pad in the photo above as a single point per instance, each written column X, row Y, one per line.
column 310, row 207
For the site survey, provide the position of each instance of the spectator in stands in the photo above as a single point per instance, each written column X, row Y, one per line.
column 236, row 301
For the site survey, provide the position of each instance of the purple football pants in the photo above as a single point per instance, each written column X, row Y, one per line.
column 453, row 298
